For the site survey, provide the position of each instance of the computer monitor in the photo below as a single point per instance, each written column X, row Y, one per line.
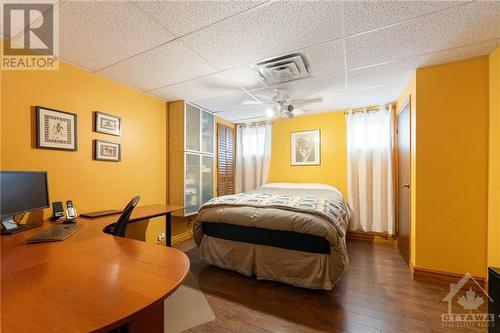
column 21, row 192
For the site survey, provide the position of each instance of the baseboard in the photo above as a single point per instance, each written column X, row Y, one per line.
column 188, row 234
column 445, row 278
column 370, row 236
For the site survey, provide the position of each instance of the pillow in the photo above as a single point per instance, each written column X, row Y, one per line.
column 306, row 186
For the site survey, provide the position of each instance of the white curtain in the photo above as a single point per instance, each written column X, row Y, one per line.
column 370, row 170
column 253, row 156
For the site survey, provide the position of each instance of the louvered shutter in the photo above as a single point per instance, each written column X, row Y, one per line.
column 225, row 160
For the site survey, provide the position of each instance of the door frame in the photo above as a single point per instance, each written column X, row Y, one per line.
column 407, row 103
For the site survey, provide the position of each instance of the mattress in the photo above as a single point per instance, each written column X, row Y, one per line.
column 278, row 238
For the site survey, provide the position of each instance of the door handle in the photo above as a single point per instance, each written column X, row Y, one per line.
column 406, row 186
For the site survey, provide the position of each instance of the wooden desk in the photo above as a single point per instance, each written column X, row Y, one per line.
column 91, row 281
column 148, row 212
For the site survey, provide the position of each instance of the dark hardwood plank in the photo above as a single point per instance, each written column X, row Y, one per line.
column 377, row 294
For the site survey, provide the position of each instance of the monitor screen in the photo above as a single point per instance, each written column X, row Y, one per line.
column 22, row 192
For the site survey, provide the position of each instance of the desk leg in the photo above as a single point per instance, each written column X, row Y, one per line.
column 168, row 230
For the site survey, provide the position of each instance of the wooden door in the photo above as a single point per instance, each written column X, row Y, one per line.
column 225, row 160
column 404, row 159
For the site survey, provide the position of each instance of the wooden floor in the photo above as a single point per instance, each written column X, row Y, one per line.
column 377, row 294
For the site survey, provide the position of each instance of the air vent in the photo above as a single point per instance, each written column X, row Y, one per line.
column 283, row 69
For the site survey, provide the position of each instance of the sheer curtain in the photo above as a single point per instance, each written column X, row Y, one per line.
column 370, row 170
column 253, row 156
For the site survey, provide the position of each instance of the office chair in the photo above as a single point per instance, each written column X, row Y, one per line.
column 119, row 228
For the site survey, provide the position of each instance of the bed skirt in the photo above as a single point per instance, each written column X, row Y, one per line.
column 297, row 268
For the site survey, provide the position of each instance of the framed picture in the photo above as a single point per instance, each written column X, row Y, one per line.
column 305, row 148
column 107, row 123
column 107, row 151
column 55, row 129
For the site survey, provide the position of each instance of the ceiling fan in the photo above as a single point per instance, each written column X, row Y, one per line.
column 283, row 106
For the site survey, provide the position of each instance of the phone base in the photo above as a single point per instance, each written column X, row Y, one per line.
column 21, row 227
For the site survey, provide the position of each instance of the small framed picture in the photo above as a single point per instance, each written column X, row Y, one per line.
column 107, row 151
column 107, row 123
column 55, row 129
column 305, row 148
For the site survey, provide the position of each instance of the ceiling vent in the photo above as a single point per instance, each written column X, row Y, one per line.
column 283, row 69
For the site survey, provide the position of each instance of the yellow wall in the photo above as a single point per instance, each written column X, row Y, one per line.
column 92, row 185
column 333, row 168
column 494, row 163
column 410, row 93
column 452, row 167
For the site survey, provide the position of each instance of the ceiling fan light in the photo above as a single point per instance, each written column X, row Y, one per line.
column 270, row 113
column 288, row 114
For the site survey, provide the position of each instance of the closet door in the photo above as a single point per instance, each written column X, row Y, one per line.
column 207, row 132
column 404, row 177
column 192, row 124
column 192, row 184
column 225, row 160
column 207, row 178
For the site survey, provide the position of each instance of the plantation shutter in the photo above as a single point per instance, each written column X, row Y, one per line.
column 225, row 160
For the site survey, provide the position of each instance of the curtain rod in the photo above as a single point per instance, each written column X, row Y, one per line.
column 369, row 108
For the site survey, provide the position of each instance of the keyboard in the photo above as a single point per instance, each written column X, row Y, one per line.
column 102, row 213
column 54, row 234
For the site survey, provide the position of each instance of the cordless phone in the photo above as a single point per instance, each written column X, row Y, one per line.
column 70, row 211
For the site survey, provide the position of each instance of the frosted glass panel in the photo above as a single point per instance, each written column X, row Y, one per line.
column 192, row 128
column 207, row 176
column 192, row 195
column 207, row 130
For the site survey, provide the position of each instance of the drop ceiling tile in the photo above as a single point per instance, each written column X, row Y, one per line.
column 333, row 102
column 97, row 34
column 197, row 89
column 375, row 95
column 162, row 66
column 400, row 71
column 243, row 77
column 384, row 74
column 183, row 17
column 454, row 27
column 455, row 54
column 241, row 115
column 272, row 29
column 325, row 58
column 233, row 102
column 367, row 15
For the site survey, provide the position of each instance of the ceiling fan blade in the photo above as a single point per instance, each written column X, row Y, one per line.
column 298, row 111
column 306, row 101
column 248, row 102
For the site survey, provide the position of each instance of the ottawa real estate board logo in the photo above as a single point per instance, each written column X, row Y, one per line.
column 30, row 36
column 467, row 302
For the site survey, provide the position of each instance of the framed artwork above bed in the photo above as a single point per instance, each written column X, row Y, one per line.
column 305, row 148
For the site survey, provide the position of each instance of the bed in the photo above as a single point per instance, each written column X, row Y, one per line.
column 291, row 233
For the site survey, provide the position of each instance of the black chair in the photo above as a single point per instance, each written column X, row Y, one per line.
column 119, row 228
